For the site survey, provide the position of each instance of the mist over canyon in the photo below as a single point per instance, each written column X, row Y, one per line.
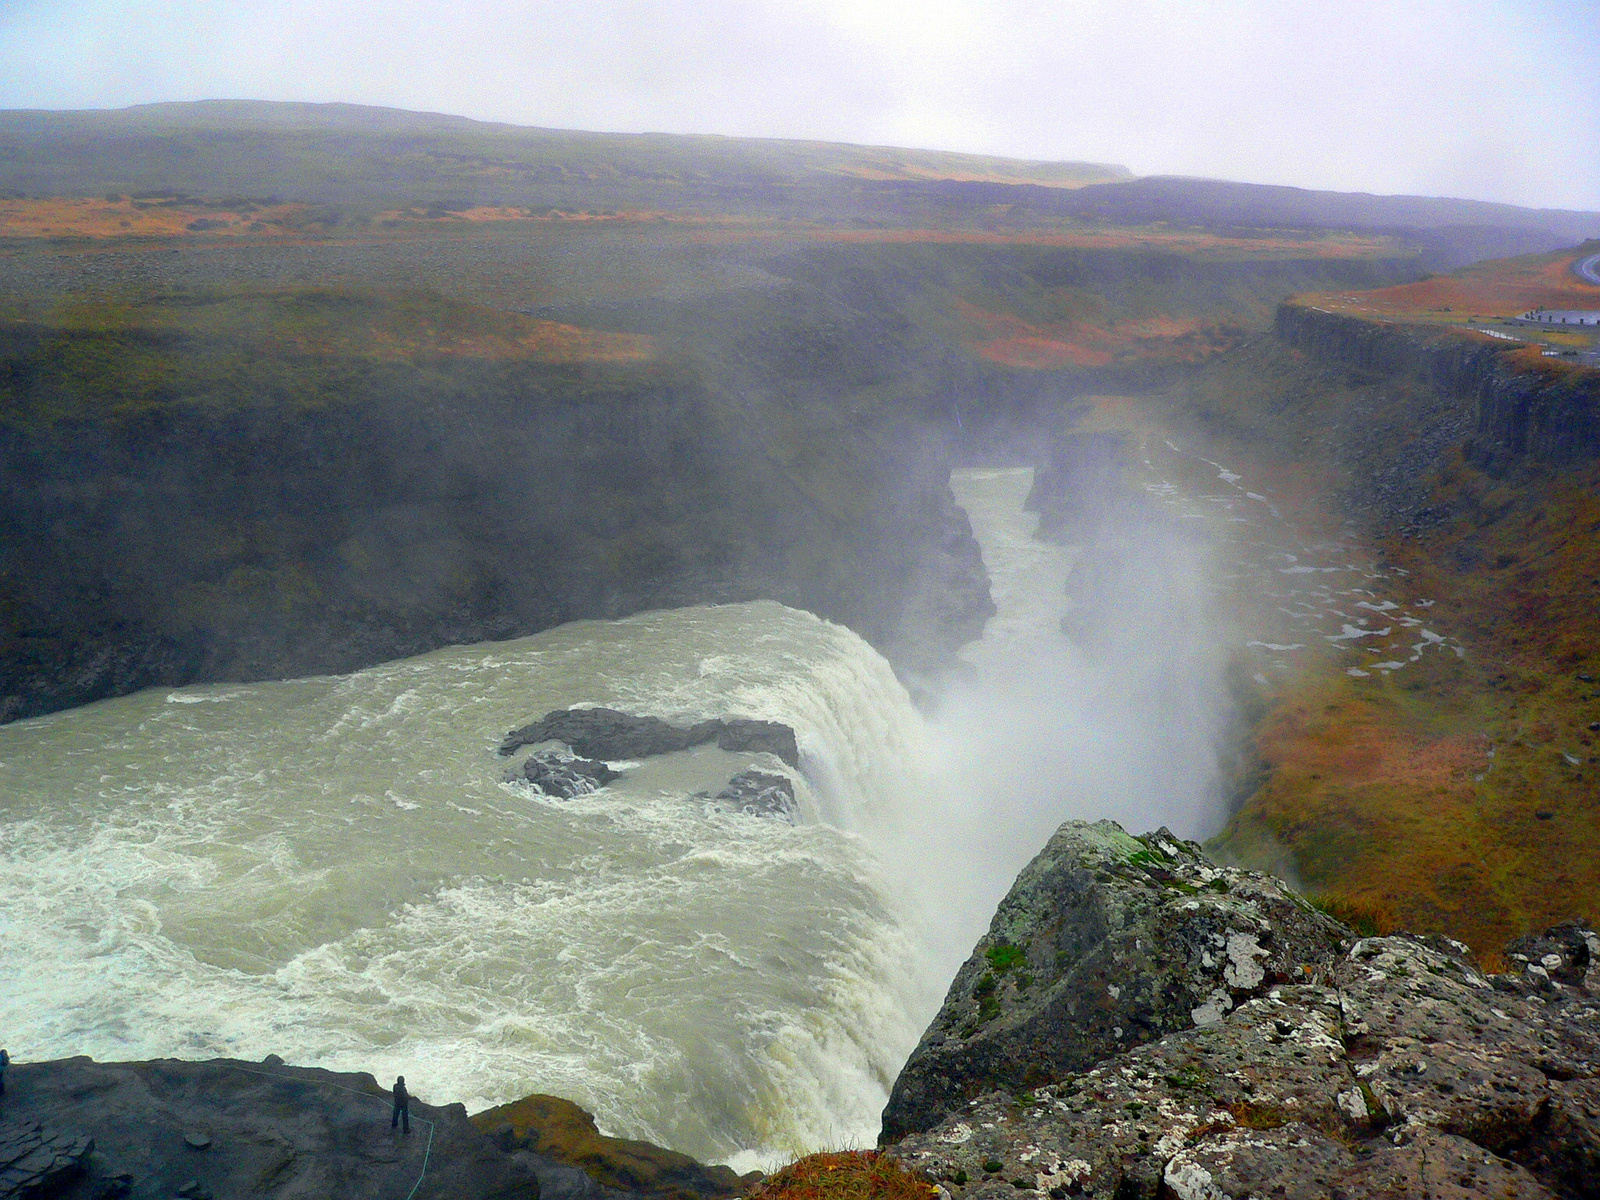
column 603, row 620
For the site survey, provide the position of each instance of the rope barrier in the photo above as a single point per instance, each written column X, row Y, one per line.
column 427, row 1152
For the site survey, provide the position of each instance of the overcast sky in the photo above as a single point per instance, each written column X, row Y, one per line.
column 1494, row 100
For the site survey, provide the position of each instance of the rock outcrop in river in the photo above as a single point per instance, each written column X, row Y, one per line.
column 563, row 775
column 760, row 794
column 1318, row 1064
column 606, row 734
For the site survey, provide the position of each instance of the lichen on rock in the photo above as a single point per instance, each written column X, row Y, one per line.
column 1377, row 1067
column 1106, row 941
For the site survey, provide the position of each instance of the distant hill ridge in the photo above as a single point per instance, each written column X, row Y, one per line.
column 72, row 151
column 362, row 160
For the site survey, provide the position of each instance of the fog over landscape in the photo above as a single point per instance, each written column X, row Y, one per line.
column 1489, row 99
column 812, row 601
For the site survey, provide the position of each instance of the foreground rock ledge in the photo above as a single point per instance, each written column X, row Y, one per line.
column 1375, row 1067
column 81, row 1130
column 1104, row 942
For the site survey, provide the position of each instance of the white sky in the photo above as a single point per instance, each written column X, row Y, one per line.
column 1493, row 100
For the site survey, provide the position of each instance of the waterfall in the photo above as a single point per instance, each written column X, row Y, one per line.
column 331, row 870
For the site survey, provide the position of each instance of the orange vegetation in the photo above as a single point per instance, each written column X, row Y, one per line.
column 1178, row 241
column 1010, row 341
column 97, row 217
column 1462, row 800
column 1503, row 288
column 486, row 214
column 848, row 1175
column 560, row 1129
column 1379, row 810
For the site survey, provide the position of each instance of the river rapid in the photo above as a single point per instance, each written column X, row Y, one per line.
column 333, row 869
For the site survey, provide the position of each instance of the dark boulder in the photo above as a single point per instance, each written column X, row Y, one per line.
column 760, row 794
column 1106, row 941
column 741, row 735
column 564, row 775
column 606, row 733
column 270, row 1130
column 1385, row 1066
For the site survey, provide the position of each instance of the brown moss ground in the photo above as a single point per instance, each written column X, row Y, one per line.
column 1505, row 287
column 845, row 1175
column 1008, row 340
column 103, row 217
column 1459, row 796
column 560, row 1129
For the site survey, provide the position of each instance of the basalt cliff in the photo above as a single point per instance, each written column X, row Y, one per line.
column 1139, row 1022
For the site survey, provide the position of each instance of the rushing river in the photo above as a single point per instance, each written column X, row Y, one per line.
column 333, row 869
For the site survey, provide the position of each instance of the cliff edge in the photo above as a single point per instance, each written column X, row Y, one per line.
column 225, row 1130
column 1319, row 1064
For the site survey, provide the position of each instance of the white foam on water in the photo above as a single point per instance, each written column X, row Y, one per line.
column 331, row 870
column 1043, row 731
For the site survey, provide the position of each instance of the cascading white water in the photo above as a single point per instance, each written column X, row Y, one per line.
column 332, row 870
column 1040, row 732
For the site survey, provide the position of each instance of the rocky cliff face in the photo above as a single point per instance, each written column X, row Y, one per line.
column 225, row 1129
column 1520, row 413
column 1317, row 1065
column 1105, row 942
column 220, row 1130
column 326, row 514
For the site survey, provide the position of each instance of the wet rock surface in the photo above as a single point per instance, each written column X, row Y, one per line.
column 1393, row 1067
column 564, row 775
column 39, row 1161
column 1105, row 942
column 606, row 733
column 232, row 1129
column 82, row 1130
column 760, row 794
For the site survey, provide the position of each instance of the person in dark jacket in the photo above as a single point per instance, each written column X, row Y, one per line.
column 402, row 1105
column 5, row 1061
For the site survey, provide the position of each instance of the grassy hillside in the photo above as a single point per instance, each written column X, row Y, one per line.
column 1483, row 299
column 371, row 158
column 347, row 164
column 1453, row 796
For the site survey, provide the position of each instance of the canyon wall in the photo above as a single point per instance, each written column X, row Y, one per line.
column 1550, row 415
column 337, row 513
column 248, row 478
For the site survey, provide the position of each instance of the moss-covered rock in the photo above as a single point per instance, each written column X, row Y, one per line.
column 1105, row 941
column 1395, row 1068
column 559, row 1129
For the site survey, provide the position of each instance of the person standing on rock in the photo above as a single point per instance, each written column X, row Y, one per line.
column 402, row 1105
column 5, row 1061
